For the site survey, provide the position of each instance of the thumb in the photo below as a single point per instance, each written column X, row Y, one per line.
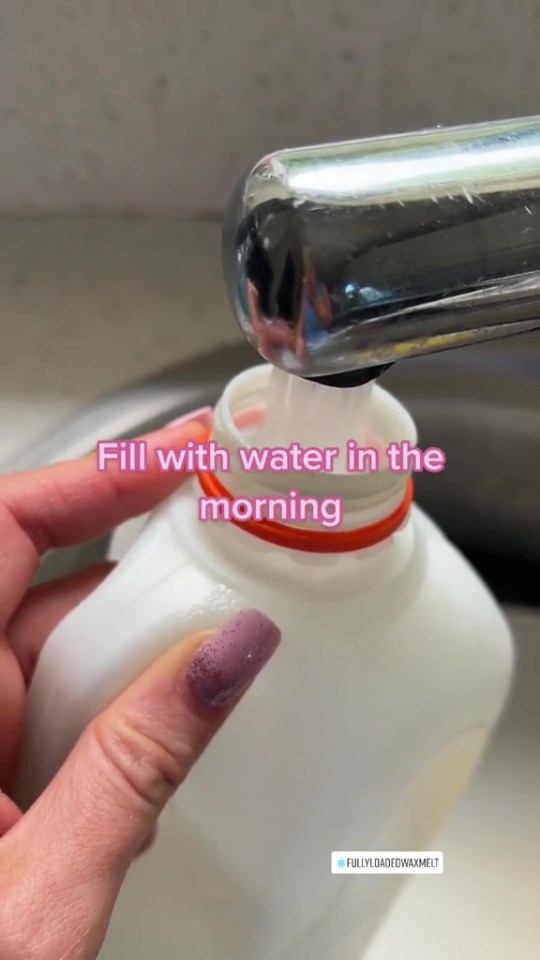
column 73, row 847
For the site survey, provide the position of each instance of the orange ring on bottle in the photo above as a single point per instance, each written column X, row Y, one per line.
column 314, row 541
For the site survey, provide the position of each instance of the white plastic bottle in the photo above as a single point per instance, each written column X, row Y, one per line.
column 360, row 734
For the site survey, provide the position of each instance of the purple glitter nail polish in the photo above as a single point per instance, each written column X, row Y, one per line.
column 231, row 659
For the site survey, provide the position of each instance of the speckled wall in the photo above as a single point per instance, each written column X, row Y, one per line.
column 157, row 105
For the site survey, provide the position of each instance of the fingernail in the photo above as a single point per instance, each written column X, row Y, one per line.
column 229, row 661
column 203, row 415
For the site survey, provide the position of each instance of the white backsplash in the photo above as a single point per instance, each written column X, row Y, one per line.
column 156, row 106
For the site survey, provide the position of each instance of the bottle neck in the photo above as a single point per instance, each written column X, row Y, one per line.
column 367, row 495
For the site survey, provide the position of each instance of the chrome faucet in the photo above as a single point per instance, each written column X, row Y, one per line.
column 341, row 259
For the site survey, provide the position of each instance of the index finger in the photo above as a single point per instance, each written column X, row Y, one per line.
column 70, row 502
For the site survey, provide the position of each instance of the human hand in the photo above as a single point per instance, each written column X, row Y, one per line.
column 62, row 862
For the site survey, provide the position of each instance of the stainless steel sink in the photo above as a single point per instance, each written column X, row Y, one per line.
column 482, row 407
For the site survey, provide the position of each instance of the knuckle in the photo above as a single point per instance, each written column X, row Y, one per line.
column 141, row 767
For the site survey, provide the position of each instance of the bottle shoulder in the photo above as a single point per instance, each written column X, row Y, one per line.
column 417, row 584
column 419, row 553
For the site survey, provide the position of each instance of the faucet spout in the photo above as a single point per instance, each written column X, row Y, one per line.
column 343, row 258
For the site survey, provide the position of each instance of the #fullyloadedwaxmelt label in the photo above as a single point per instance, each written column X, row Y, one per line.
column 388, row 861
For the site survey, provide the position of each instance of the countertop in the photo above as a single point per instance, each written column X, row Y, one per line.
column 88, row 305
column 157, row 106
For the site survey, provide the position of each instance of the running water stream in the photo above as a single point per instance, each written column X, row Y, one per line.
column 313, row 415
